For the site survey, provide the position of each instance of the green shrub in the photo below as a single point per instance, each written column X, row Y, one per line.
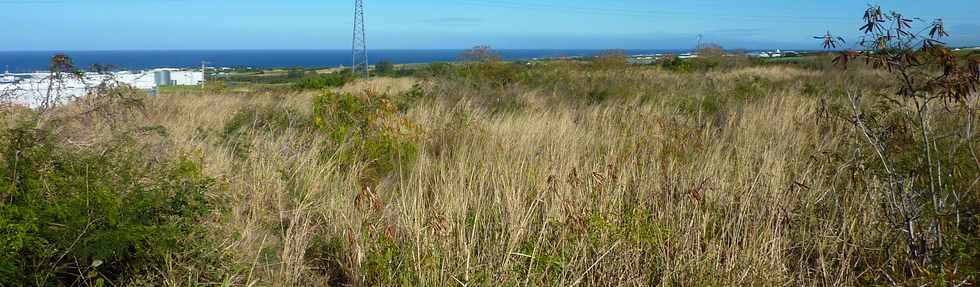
column 495, row 73
column 612, row 59
column 483, row 66
column 387, row 265
column 675, row 64
column 409, row 98
column 440, row 69
column 690, row 65
column 367, row 130
column 294, row 73
column 260, row 119
column 78, row 217
column 322, row 81
column 325, row 255
column 339, row 114
column 384, row 68
column 266, row 118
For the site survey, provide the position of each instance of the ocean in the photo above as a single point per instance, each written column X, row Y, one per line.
column 31, row 61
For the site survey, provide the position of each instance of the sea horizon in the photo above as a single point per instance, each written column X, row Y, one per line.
column 38, row 60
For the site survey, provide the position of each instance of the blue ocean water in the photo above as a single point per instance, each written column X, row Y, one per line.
column 30, row 61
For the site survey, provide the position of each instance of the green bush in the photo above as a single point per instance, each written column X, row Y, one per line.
column 260, row 119
column 322, row 81
column 324, row 255
column 495, row 73
column 339, row 114
column 440, row 69
column 266, row 118
column 689, row 65
column 79, row 217
column 387, row 265
column 384, row 68
column 294, row 73
column 367, row 130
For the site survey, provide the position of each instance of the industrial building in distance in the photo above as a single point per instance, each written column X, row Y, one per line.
column 27, row 89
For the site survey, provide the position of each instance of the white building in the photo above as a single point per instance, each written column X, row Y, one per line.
column 175, row 77
column 30, row 89
column 7, row 78
column 771, row 54
column 186, row 78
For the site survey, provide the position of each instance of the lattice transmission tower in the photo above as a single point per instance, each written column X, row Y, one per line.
column 359, row 56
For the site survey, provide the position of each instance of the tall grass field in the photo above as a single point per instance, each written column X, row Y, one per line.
column 736, row 172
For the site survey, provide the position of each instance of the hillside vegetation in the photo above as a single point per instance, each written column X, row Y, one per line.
column 486, row 173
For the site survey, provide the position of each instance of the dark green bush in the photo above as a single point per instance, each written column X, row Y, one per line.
column 294, row 73
column 322, row 81
column 689, row 65
column 325, row 255
column 675, row 64
column 384, row 68
column 79, row 217
column 495, row 73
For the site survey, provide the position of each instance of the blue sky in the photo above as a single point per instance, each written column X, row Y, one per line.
column 449, row 24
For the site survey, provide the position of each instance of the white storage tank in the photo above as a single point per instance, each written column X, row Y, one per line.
column 162, row 78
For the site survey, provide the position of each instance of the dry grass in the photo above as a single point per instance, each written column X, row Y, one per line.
column 771, row 73
column 380, row 85
column 631, row 193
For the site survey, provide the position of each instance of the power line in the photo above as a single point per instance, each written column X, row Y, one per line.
column 359, row 56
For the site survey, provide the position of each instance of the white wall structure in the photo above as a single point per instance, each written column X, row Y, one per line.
column 143, row 81
column 29, row 89
column 186, row 78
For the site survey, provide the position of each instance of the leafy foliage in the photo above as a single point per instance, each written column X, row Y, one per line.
column 676, row 64
column 915, row 151
column 367, row 130
column 81, row 217
column 384, row 68
column 322, row 81
column 439, row 69
column 481, row 65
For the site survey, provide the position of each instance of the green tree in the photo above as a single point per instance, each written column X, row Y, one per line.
column 914, row 152
column 482, row 53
